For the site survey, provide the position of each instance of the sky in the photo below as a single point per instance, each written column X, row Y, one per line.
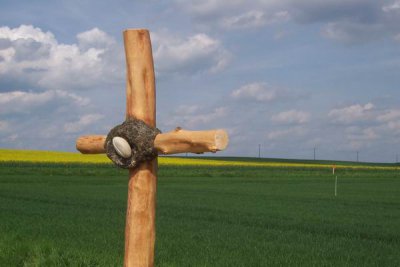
column 288, row 75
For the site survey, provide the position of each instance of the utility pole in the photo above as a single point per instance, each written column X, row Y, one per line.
column 397, row 158
column 357, row 156
column 315, row 148
column 259, row 150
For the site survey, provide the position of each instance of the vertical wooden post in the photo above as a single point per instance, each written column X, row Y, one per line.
column 141, row 104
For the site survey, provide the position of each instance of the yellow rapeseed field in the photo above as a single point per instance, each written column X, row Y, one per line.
column 7, row 155
column 49, row 156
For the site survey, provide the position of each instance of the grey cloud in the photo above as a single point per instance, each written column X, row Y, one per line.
column 360, row 137
column 311, row 11
column 29, row 50
column 389, row 121
column 353, row 32
column 3, row 126
column 291, row 117
column 34, row 64
column 394, row 6
column 347, row 21
column 17, row 102
column 353, row 113
column 389, row 115
column 4, row 43
column 254, row 19
column 237, row 14
column 82, row 123
column 209, row 8
column 194, row 117
column 354, row 21
column 364, row 127
column 44, row 120
column 292, row 132
column 287, row 133
column 245, row 112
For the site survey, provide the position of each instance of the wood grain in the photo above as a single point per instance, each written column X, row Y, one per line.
column 182, row 141
column 174, row 142
column 91, row 144
column 142, row 185
column 140, row 104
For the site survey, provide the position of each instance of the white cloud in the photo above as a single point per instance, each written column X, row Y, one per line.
column 186, row 109
column 94, row 38
column 194, row 54
column 217, row 113
column 4, row 126
column 394, row 125
column 253, row 19
column 389, row 115
column 280, row 35
column 27, row 32
column 358, row 133
column 394, row 6
column 207, row 8
column 352, row 32
column 391, row 120
column 25, row 102
column 37, row 56
column 291, row 117
column 7, row 54
column 255, row 91
column 33, row 65
column 287, row 133
column 11, row 138
column 348, row 21
column 236, row 14
column 305, row 10
column 82, row 123
column 360, row 137
column 195, row 117
column 352, row 113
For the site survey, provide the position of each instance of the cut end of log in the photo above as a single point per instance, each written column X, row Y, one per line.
column 91, row 144
column 221, row 139
column 136, row 30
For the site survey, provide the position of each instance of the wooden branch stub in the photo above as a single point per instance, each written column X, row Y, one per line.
column 182, row 141
column 176, row 141
column 91, row 144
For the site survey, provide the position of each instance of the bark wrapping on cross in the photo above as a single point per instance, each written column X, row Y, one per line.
column 131, row 143
column 141, row 105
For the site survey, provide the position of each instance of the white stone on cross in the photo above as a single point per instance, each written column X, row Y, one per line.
column 141, row 104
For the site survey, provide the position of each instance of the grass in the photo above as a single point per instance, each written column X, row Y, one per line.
column 64, row 214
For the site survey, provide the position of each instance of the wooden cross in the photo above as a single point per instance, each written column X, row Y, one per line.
column 141, row 104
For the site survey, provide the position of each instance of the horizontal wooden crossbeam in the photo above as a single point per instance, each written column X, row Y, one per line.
column 174, row 142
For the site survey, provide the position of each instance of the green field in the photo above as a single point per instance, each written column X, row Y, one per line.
column 73, row 215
